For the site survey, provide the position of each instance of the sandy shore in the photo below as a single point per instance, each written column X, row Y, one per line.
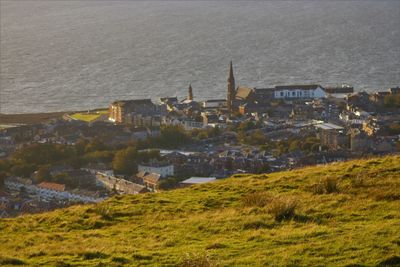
column 30, row 118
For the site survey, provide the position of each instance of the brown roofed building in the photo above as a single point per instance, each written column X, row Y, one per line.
column 52, row 186
column 121, row 111
column 151, row 180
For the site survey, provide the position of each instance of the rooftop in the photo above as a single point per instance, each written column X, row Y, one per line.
column 198, row 180
column 329, row 126
column 52, row 186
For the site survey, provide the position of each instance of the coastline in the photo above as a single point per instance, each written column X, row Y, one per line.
column 29, row 118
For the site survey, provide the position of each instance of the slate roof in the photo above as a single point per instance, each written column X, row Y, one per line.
column 298, row 86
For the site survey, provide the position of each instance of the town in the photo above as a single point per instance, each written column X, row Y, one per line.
column 139, row 146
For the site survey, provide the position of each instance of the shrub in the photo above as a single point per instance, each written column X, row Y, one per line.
column 258, row 199
column 197, row 260
column 283, row 208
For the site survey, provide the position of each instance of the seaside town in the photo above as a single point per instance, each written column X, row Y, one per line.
column 142, row 145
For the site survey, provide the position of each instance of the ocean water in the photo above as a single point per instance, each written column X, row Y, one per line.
column 77, row 55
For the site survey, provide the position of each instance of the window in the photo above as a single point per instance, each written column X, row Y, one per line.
column 281, row 93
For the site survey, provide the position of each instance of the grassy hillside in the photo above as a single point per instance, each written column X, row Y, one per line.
column 343, row 214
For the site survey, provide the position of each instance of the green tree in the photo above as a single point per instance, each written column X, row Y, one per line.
column 294, row 145
column 23, row 169
column 95, row 145
column 125, row 161
column 43, row 174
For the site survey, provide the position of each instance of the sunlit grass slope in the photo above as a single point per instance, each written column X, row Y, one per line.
column 345, row 214
column 88, row 117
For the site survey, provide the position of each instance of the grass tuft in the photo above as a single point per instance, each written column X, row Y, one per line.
column 283, row 208
column 11, row 261
column 90, row 255
column 257, row 199
column 328, row 185
column 197, row 260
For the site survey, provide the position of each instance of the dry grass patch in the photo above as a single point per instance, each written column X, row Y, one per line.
column 257, row 199
column 283, row 208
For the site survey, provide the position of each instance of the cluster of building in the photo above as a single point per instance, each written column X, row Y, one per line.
column 20, row 196
column 347, row 124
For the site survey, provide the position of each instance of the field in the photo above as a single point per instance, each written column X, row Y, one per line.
column 344, row 214
column 29, row 118
column 88, row 117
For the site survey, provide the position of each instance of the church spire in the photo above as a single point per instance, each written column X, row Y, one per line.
column 190, row 92
column 231, row 88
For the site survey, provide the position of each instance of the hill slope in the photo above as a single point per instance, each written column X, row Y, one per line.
column 338, row 215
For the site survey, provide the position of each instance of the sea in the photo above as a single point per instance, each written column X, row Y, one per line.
column 80, row 55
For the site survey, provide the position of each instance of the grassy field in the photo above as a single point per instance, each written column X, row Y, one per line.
column 88, row 117
column 344, row 214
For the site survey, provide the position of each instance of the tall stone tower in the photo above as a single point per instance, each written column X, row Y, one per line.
column 190, row 93
column 231, row 88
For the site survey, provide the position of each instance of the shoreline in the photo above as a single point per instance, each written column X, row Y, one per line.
column 33, row 118
column 30, row 118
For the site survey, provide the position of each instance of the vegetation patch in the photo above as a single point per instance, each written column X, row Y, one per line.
column 257, row 199
column 244, row 221
column 11, row 261
column 283, row 208
column 327, row 185
column 90, row 255
column 197, row 260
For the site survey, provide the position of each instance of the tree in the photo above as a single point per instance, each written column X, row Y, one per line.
column 294, row 145
column 23, row 169
column 43, row 174
column 125, row 161
column 95, row 145
column 392, row 100
column 3, row 176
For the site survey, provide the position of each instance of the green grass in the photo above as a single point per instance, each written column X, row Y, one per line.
column 274, row 219
column 88, row 117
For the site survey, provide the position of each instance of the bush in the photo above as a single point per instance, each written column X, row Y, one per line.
column 197, row 260
column 257, row 199
column 283, row 208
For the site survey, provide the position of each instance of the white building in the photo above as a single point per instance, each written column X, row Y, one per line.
column 197, row 180
column 48, row 191
column 214, row 103
column 157, row 167
column 299, row 91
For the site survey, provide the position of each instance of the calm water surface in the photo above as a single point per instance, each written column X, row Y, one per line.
column 68, row 55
